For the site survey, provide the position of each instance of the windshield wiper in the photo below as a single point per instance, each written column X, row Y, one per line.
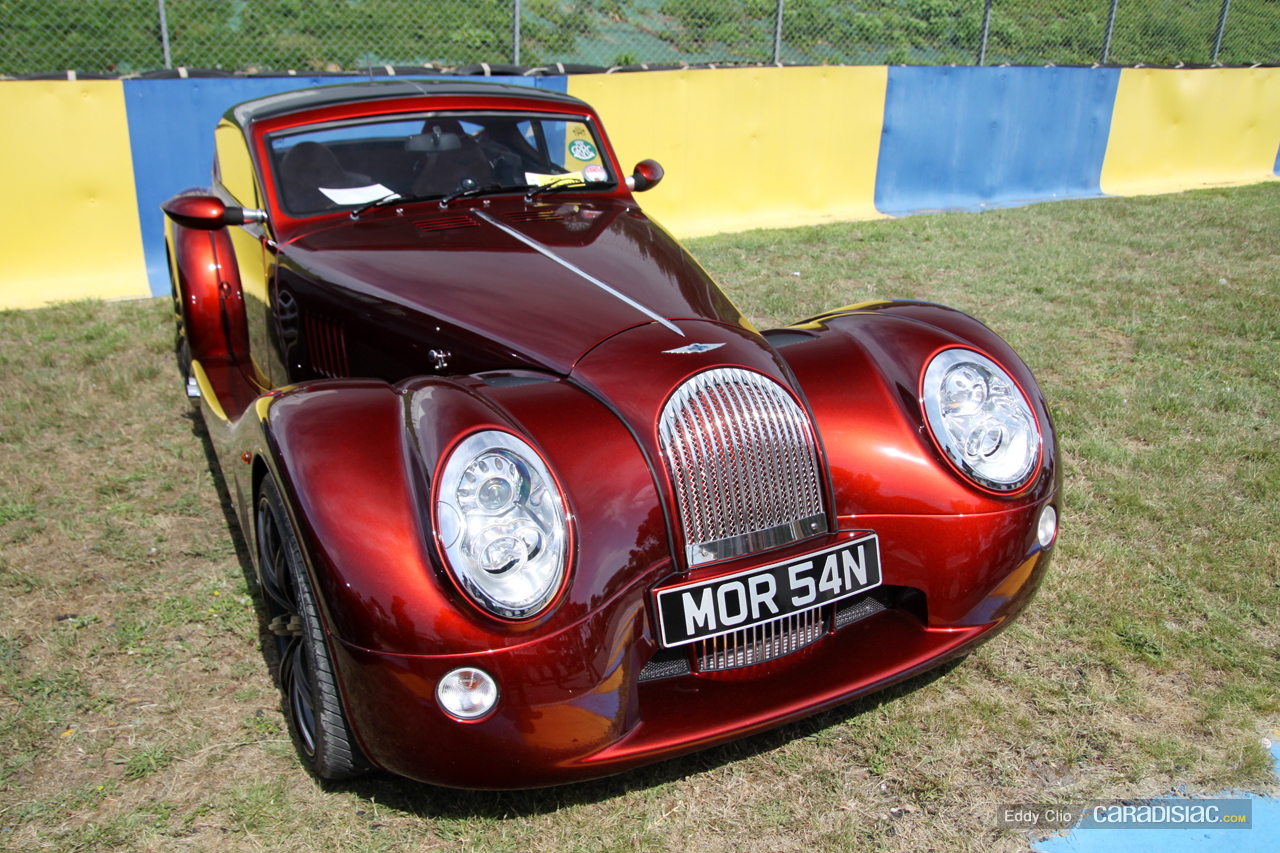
column 531, row 192
column 468, row 192
column 388, row 199
column 565, row 184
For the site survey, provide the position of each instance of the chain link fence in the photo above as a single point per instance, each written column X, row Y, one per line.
column 122, row 37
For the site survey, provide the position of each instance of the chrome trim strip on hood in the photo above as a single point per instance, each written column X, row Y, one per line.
column 543, row 250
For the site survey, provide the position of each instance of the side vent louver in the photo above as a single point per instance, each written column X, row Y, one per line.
column 326, row 346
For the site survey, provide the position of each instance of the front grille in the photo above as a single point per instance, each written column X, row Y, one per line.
column 760, row 643
column 744, row 465
column 856, row 610
column 782, row 636
column 667, row 663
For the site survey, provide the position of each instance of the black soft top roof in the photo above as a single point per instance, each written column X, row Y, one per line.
column 324, row 96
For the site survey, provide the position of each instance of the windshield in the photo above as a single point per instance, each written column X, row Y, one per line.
column 350, row 164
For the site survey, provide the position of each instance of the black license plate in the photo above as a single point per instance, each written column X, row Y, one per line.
column 721, row 606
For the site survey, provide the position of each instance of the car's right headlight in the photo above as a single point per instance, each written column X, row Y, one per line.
column 502, row 523
column 981, row 419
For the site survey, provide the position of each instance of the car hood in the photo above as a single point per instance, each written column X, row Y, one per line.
column 510, row 283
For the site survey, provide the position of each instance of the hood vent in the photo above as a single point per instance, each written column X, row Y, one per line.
column 542, row 214
column 445, row 223
column 744, row 464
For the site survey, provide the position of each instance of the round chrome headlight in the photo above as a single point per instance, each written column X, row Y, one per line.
column 502, row 523
column 981, row 419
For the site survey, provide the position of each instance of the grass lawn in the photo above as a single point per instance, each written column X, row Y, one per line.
column 136, row 712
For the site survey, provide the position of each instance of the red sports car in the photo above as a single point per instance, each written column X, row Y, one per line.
column 530, row 500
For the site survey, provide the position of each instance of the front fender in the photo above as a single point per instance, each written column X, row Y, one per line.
column 861, row 369
column 355, row 460
column 972, row 552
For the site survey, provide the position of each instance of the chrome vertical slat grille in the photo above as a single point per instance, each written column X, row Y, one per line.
column 744, row 463
column 760, row 643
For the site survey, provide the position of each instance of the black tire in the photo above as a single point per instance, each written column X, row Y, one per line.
column 308, row 687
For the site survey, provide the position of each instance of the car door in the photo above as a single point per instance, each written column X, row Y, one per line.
column 237, row 183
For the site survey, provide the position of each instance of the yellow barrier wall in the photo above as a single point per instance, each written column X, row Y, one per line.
column 748, row 147
column 743, row 148
column 1175, row 130
column 68, row 211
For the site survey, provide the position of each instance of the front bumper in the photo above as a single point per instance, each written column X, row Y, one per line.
column 572, row 706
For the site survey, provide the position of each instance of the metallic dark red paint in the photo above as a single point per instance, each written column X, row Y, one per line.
column 200, row 212
column 209, row 284
column 477, row 290
column 538, row 351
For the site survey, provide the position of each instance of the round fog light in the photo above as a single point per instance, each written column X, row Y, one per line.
column 1048, row 527
column 467, row 693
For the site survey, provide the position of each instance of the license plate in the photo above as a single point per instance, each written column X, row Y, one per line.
column 733, row 602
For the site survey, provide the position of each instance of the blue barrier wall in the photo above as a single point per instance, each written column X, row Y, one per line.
column 972, row 138
column 171, row 132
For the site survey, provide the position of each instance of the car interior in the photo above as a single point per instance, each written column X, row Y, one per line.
column 438, row 156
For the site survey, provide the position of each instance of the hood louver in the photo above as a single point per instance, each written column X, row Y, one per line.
column 445, row 223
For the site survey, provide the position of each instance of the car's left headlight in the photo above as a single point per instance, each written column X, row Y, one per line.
column 502, row 522
column 981, row 419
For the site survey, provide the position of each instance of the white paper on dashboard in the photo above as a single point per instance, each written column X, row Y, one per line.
column 357, row 195
column 537, row 179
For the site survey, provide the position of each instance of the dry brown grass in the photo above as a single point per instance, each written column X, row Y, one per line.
column 137, row 713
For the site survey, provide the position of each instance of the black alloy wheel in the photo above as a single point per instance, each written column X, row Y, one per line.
column 308, row 686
